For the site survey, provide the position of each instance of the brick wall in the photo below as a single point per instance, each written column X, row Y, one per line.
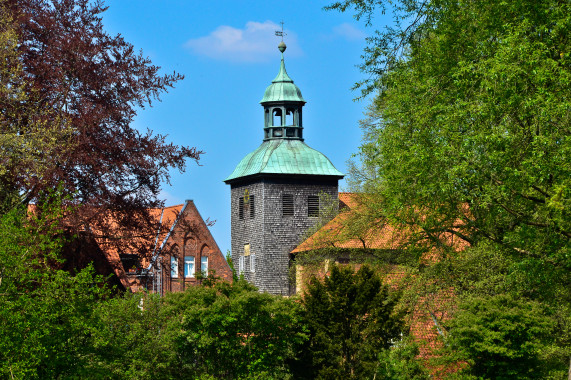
column 191, row 237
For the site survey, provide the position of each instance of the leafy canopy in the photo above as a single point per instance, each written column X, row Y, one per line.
column 469, row 134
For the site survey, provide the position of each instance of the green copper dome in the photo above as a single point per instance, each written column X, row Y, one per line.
column 283, row 150
column 282, row 88
column 284, row 157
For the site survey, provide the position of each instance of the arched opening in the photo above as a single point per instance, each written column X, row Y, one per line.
column 289, row 117
column 277, row 117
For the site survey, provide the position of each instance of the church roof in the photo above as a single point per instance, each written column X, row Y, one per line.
column 284, row 157
column 282, row 88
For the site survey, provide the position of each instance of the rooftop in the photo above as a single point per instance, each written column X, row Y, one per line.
column 284, row 157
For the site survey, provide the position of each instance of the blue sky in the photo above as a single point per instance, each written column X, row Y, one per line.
column 228, row 53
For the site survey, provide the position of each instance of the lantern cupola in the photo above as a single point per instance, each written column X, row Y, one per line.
column 282, row 104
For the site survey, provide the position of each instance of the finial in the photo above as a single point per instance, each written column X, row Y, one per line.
column 280, row 33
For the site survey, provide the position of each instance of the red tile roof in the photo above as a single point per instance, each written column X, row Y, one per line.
column 428, row 311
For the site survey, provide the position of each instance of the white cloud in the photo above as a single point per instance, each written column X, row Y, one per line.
column 256, row 42
column 348, row 32
column 170, row 200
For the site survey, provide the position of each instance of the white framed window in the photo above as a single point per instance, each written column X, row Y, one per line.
column 241, row 264
column 204, row 265
column 188, row 266
column 252, row 263
column 174, row 267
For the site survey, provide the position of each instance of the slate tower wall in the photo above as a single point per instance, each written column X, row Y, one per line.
column 270, row 234
column 265, row 228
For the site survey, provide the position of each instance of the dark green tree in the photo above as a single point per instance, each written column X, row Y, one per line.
column 351, row 318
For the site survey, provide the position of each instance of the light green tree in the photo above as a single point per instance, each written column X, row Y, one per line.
column 31, row 135
column 45, row 313
column 233, row 331
column 469, row 134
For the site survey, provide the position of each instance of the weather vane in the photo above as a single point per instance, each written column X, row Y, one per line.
column 281, row 33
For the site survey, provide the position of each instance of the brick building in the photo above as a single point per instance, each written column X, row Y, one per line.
column 275, row 190
column 180, row 253
column 381, row 244
column 184, row 254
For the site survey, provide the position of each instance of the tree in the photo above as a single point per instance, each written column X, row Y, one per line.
column 470, row 135
column 502, row 338
column 27, row 140
column 456, row 148
column 45, row 313
column 351, row 319
column 401, row 362
column 134, row 338
column 93, row 84
column 233, row 331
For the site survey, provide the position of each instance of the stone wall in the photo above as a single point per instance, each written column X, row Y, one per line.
column 270, row 235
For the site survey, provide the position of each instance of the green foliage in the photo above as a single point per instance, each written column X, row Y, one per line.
column 28, row 143
column 134, row 339
column 45, row 314
column 232, row 331
column 400, row 362
column 480, row 138
column 469, row 136
column 351, row 320
column 231, row 265
column 502, row 337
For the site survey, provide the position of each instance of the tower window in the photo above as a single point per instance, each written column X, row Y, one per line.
column 241, row 264
column 289, row 117
column 252, row 207
column 313, row 205
column 278, row 132
column 241, row 208
column 287, row 204
column 290, row 132
column 277, row 117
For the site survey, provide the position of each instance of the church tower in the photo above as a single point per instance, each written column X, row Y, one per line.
column 275, row 190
